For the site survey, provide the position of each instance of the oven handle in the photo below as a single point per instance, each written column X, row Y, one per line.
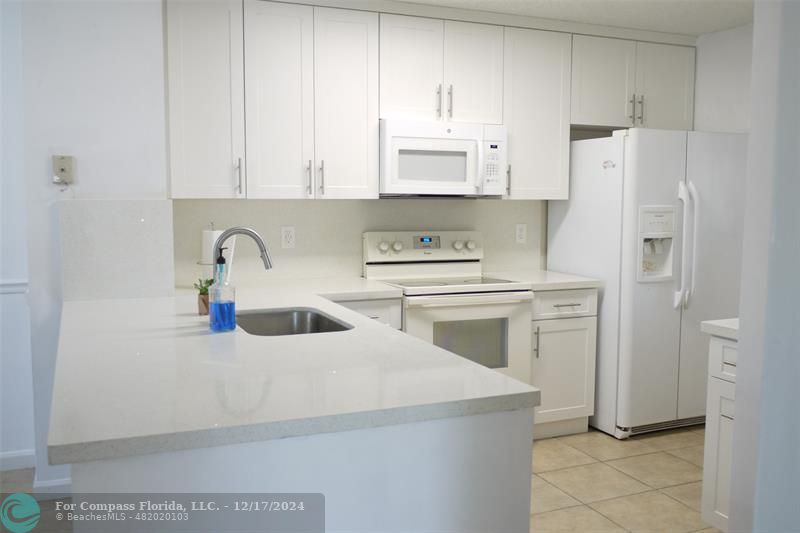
column 460, row 301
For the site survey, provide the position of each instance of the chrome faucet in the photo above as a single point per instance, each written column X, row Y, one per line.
column 262, row 247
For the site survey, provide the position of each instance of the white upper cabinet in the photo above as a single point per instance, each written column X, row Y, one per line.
column 346, row 103
column 411, row 59
column 603, row 81
column 536, row 110
column 473, row 72
column 279, row 46
column 626, row 83
column 664, row 86
column 433, row 69
column 206, row 99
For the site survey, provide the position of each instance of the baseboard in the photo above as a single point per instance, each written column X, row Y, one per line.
column 561, row 428
column 17, row 459
column 51, row 489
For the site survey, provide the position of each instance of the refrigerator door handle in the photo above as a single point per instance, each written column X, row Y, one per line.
column 683, row 196
column 695, row 197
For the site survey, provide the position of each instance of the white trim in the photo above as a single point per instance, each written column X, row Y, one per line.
column 503, row 19
column 13, row 286
column 17, row 459
column 52, row 488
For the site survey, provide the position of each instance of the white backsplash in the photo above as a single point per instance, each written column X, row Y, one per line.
column 116, row 248
column 328, row 233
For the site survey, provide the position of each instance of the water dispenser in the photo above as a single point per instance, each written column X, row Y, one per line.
column 656, row 237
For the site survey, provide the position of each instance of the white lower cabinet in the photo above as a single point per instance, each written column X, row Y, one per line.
column 387, row 311
column 717, row 459
column 563, row 361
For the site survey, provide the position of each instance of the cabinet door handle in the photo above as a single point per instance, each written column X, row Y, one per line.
column 450, row 101
column 508, row 181
column 322, row 176
column 239, row 175
column 641, row 110
column 308, row 172
column 559, row 306
column 439, row 101
column 632, row 116
column 537, row 336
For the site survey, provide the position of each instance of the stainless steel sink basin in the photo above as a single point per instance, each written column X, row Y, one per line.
column 294, row 321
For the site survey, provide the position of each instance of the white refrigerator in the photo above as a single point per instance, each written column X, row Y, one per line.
column 657, row 215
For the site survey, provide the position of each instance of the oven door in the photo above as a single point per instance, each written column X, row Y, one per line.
column 492, row 329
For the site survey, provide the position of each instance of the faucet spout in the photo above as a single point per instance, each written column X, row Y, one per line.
column 262, row 247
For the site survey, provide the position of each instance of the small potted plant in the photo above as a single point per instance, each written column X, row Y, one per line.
column 202, row 286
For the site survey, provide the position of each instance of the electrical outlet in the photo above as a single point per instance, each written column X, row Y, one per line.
column 521, row 233
column 287, row 237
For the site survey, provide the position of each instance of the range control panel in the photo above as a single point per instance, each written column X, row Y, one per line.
column 425, row 245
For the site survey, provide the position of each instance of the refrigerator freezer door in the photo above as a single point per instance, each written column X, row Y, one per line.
column 716, row 169
column 655, row 163
column 584, row 238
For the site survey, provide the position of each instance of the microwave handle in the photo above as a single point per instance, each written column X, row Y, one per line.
column 500, row 298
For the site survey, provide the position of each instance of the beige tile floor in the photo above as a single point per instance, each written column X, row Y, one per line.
column 583, row 483
column 595, row 483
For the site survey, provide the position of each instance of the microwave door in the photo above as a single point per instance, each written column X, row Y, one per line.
column 433, row 166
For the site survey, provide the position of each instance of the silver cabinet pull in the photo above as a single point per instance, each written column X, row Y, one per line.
column 537, row 336
column 322, row 176
column 508, row 181
column 450, row 101
column 559, row 306
column 239, row 175
column 308, row 172
column 641, row 110
column 439, row 101
column 632, row 116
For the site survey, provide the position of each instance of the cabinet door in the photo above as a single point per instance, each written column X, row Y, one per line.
column 346, row 103
column 717, row 459
column 411, row 56
column 536, row 112
column 603, row 77
column 279, row 42
column 473, row 72
column 664, row 86
column 206, row 98
column 564, row 353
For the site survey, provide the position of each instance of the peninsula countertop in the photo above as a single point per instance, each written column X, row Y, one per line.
column 141, row 376
column 727, row 328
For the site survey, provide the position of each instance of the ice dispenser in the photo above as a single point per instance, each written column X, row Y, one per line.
column 656, row 232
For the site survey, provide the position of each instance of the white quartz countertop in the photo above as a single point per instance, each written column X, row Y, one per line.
column 338, row 289
column 545, row 280
column 141, row 376
column 727, row 328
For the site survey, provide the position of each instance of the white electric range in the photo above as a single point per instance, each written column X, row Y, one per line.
column 448, row 302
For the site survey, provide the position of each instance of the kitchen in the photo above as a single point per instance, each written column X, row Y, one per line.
column 154, row 166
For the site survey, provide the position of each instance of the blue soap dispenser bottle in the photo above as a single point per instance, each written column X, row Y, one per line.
column 222, row 299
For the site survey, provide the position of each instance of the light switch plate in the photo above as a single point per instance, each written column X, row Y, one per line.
column 63, row 166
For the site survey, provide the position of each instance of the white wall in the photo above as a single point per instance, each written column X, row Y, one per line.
column 766, row 468
column 722, row 82
column 16, row 384
column 94, row 86
column 328, row 233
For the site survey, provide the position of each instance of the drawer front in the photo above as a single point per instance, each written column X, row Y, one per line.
column 722, row 355
column 386, row 311
column 564, row 304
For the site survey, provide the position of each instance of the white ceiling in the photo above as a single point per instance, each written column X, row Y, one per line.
column 688, row 17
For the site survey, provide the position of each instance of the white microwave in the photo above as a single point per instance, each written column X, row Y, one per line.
column 442, row 158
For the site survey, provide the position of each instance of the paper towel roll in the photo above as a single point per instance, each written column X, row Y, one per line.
column 209, row 239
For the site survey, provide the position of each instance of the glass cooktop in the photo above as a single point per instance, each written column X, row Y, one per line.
column 447, row 282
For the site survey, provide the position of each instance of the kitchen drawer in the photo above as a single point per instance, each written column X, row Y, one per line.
column 564, row 304
column 722, row 354
column 386, row 311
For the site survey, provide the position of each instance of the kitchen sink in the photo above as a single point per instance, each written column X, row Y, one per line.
column 294, row 321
